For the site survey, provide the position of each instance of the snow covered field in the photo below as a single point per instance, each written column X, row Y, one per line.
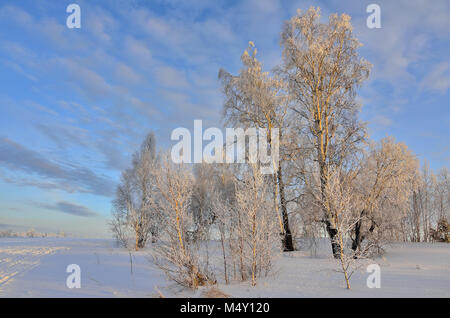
column 36, row 267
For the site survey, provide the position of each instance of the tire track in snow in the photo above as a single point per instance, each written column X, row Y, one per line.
column 18, row 260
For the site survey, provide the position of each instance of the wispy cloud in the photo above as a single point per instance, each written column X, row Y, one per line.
column 66, row 207
column 439, row 78
column 382, row 121
column 171, row 77
column 67, row 175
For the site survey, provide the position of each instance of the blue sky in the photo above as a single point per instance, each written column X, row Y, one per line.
column 75, row 103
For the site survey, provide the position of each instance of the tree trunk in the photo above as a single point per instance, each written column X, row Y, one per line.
column 359, row 238
column 356, row 242
column 137, row 238
column 140, row 243
column 335, row 246
column 288, row 245
column 222, row 240
column 332, row 231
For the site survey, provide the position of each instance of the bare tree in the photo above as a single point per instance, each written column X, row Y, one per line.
column 202, row 194
column 340, row 203
column 256, row 222
column 177, row 253
column 222, row 208
column 323, row 70
column 384, row 182
column 223, row 204
column 429, row 207
column 255, row 99
column 247, row 226
column 132, row 213
column 442, row 194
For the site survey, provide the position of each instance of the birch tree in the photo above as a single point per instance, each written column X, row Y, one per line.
column 387, row 178
column 255, row 99
column 133, row 214
column 340, row 202
column 323, row 70
column 429, row 207
column 247, row 226
column 202, row 196
column 177, row 254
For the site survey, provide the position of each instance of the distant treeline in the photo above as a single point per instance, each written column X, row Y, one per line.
column 30, row 233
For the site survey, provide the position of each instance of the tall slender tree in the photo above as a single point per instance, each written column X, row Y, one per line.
column 255, row 99
column 323, row 69
column 133, row 212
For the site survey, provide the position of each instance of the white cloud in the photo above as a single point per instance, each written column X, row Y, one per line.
column 382, row 121
column 408, row 29
column 19, row 69
column 18, row 15
column 100, row 23
column 125, row 74
column 138, row 51
column 86, row 80
column 170, row 77
column 438, row 79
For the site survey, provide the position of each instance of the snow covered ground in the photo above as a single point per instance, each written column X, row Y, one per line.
column 407, row 270
column 36, row 267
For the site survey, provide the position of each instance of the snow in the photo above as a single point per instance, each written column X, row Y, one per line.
column 36, row 267
column 407, row 270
